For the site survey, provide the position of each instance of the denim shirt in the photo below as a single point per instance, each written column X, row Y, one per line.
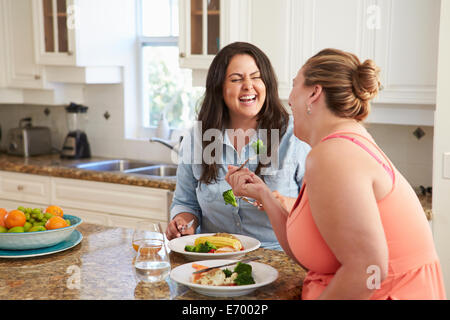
column 205, row 201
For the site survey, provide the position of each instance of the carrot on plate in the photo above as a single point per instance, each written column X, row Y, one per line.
column 197, row 266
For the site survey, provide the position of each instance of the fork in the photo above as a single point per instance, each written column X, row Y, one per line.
column 249, row 201
column 245, row 162
column 186, row 226
column 227, row 264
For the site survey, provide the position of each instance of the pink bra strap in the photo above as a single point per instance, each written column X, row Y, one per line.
column 387, row 168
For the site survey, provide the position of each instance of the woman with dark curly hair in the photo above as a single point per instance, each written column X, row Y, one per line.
column 241, row 106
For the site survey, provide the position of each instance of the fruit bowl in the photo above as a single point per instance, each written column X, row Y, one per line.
column 38, row 239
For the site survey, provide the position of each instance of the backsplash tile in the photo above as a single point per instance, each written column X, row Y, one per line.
column 412, row 157
column 10, row 116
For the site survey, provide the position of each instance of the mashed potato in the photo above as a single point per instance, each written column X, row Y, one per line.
column 215, row 277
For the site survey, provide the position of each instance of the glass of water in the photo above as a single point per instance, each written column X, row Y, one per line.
column 152, row 263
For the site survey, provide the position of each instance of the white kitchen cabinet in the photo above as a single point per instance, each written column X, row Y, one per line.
column 16, row 71
column 87, row 40
column 205, row 26
column 119, row 199
column 21, row 70
column 90, row 42
column 54, row 31
column 82, row 32
column 401, row 36
column 95, row 202
column 24, row 187
column 405, row 47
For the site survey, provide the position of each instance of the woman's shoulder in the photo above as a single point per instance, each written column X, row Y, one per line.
column 334, row 157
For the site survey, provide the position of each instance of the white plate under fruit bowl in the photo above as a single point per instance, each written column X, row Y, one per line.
column 38, row 239
column 249, row 244
column 263, row 275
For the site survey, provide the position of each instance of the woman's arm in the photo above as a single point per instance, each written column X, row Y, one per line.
column 286, row 202
column 344, row 208
column 246, row 183
column 185, row 206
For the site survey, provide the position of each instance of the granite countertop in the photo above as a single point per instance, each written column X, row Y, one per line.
column 53, row 165
column 425, row 200
column 101, row 267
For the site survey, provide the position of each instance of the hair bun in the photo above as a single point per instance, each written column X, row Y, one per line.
column 365, row 80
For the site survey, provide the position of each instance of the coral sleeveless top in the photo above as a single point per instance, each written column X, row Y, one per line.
column 414, row 269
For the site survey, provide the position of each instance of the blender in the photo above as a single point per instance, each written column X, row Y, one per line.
column 76, row 145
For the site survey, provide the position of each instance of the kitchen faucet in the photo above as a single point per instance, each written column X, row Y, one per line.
column 167, row 143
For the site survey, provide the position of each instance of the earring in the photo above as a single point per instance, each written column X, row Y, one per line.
column 308, row 109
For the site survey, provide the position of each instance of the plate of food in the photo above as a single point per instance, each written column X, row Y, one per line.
column 230, row 281
column 213, row 246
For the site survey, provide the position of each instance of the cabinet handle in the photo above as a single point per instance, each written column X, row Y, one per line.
column 20, row 187
column 182, row 55
column 37, row 77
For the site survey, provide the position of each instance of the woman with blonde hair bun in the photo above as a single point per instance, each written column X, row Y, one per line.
column 357, row 225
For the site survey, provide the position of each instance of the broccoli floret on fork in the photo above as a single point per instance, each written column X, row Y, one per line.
column 229, row 198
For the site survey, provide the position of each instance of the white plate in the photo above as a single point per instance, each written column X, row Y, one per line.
column 262, row 273
column 178, row 244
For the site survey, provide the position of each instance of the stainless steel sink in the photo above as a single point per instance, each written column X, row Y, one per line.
column 164, row 170
column 113, row 165
column 130, row 167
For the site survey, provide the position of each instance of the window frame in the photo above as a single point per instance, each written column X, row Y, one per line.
column 144, row 41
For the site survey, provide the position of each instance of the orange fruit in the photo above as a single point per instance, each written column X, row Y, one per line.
column 54, row 210
column 55, row 222
column 15, row 218
column 3, row 212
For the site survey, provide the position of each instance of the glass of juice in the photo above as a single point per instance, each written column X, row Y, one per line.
column 146, row 230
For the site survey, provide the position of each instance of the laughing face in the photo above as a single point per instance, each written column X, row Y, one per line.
column 244, row 91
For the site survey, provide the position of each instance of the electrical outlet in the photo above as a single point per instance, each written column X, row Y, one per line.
column 446, row 169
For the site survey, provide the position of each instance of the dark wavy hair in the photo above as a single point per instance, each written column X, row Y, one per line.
column 214, row 112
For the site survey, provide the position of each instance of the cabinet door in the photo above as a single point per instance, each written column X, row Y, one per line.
column 54, row 31
column 406, row 46
column 21, row 68
column 202, row 24
column 24, row 187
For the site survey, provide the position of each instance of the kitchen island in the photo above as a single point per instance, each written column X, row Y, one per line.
column 101, row 268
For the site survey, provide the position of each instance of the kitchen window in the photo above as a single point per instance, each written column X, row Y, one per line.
column 166, row 88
